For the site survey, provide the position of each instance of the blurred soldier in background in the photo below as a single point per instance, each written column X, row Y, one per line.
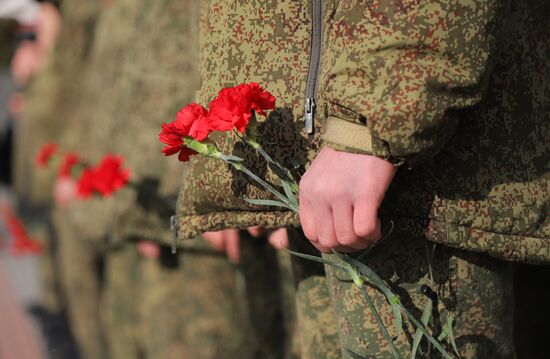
column 111, row 86
column 50, row 99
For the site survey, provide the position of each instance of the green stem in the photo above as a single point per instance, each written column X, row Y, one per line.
column 434, row 341
column 370, row 303
column 266, row 185
column 255, row 145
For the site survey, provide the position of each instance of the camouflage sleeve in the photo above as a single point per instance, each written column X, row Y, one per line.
column 406, row 72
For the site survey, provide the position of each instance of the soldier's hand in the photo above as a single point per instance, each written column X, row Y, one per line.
column 226, row 241
column 48, row 26
column 64, row 190
column 339, row 199
column 278, row 238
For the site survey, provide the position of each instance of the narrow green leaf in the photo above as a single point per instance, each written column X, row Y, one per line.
column 275, row 166
column 393, row 299
column 389, row 339
column 448, row 330
column 426, row 314
column 231, row 158
column 444, row 332
column 278, row 170
column 266, row 185
column 288, row 191
column 425, row 332
column 266, row 202
column 396, row 309
column 316, row 259
column 366, row 271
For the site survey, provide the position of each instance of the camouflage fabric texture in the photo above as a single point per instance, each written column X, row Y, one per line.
column 79, row 260
column 196, row 304
column 132, row 97
column 477, row 290
column 454, row 93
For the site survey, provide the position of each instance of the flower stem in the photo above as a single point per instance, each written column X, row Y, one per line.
column 265, row 184
column 279, row 169
column 389, row 339
column 422, row 328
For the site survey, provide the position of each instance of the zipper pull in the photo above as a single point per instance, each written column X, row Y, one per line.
column 174, row 228
column 309, row 108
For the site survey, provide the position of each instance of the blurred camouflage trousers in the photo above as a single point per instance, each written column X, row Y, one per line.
column 475, row 289
column 195, row 304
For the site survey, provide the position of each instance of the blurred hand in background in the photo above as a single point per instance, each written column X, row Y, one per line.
column 30, row 56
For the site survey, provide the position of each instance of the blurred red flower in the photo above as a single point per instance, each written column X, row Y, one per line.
column 106, row 178
column 21, row 242
column 45, row 153
column 85, row 184
column 67, row 163
column 110, row 176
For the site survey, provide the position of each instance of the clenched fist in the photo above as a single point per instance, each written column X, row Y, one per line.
column 339, row 199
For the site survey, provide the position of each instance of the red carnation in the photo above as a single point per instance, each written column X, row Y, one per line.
column 21, row 242
column 257, row 98
column 25, row 245
column 190, row 121
column 85, row 185
column 106, row 178
column 233, row 106
column 109, row 175
column 45, row 154
column 67, row 163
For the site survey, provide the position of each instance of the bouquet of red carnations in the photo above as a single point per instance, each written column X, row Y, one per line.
column 104, row 179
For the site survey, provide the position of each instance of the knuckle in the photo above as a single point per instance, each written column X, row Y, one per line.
column 336, row 193
column 347, row 240
column 327, row 242
column 310, row 234
column 364, row 229
column 317, row 188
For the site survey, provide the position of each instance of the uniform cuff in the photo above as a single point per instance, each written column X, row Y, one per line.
column 343, row 135
column 347, row 136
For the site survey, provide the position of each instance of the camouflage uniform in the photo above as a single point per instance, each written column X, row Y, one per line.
column 453, row 94
column 69, row 269
column 149, row 307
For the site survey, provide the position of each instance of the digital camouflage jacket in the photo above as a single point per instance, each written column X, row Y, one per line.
column 118, row 106
column 454, row 93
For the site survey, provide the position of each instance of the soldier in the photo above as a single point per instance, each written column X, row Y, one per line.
column 421, row 110
column 52, row 102
column 149, row 305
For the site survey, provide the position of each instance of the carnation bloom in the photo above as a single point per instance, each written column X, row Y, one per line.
column 190, row 121
column 257, row 98
column 106, row 178
column 109, row 175
column 67, row 164
column 85, row 184
column 233, row 107
column 45, row 153
column 21, row 242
